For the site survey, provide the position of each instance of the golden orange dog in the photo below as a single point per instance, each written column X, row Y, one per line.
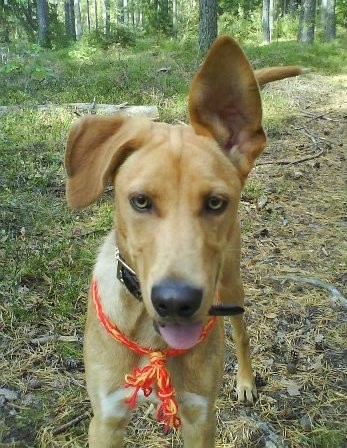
column 175, row 248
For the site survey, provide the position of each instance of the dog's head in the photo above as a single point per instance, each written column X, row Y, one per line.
column 177, row 188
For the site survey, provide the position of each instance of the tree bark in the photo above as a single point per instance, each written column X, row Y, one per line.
column 307, row 21
column 267, row 20
column 291, row 7
column 329, row 17
column 125, row 11
column 88, row 15
column 164, row 19
column 120, row 12
column 4, row 26
column 78, row 22
column 106, row 17
column 174, row 17
column 208, row 28
column 96, row 14
column 70, row 19
column 42, row 23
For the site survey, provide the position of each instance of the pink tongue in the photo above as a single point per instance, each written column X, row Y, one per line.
column 181, row 336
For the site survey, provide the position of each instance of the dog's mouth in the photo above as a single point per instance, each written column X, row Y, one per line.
column 179, row 335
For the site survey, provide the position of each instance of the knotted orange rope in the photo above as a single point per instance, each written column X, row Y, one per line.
column 155, row 372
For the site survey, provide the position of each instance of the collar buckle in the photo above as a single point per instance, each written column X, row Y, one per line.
column 127, row 276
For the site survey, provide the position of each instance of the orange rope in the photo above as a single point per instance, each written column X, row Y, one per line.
column 155, row 372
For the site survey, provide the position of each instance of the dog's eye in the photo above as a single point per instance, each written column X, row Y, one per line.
column 141, row 202
column 215, row 204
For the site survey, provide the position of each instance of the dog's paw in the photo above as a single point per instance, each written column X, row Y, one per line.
column 246, row 390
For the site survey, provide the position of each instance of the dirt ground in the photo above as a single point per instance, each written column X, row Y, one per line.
column 294, row 230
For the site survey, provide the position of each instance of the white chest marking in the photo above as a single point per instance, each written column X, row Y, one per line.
column 114, row 405
column 197, row 401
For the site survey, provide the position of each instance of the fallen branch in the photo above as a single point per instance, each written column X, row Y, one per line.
column 311, row 137
column 54, row 338
column 322, row 116
column 336, row 297
column 291, row 162
column 71, row 423
column 150, row 112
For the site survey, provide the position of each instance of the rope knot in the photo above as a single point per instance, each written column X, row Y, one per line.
column 157, row 358
column 143, row 378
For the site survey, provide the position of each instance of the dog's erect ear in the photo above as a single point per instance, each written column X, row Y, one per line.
column 96, row 147
column 225, row 104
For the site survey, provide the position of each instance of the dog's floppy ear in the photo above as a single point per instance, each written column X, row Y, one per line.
column 225, row 104
column 96, row 147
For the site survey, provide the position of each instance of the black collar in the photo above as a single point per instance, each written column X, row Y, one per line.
column 129, row 279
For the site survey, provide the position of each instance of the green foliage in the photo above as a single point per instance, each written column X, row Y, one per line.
column 118, row 35
column 243, row 26
column 285, row 27
column 326, row 438
column 326, row 58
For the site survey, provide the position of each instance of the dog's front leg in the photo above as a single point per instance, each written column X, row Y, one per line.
column 245, row 388
column 106, row 433
column 198, row 421
column 111, row 416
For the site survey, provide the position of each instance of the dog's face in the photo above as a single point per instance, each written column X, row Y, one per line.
column 177, row 188
column 176, row 206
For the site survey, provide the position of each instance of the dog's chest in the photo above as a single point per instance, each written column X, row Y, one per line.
column 114, row 405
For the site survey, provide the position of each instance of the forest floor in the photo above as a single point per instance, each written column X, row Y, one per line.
column 293, row 214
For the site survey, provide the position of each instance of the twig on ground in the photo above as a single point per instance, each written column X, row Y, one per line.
column 54, row 337
column 311, row 137
column 291, row 162
column 336, row 296
column 322, row 116
column 71, row 423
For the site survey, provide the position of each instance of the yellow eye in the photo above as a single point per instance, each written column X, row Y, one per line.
column 215, row 204
column 141, row 202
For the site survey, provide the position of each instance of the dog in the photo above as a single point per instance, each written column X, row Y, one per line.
column 171, row 265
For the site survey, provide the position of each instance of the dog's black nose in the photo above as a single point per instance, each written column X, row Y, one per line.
column 175, row 298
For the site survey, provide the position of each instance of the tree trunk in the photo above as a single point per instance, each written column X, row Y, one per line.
column 106, row 17
column 88, row 16
column 267, row 20
column 96, row 14
column 329, row 17
column 70, row 19
column 78, row 23
column 125, row 11
column 4, row 26
column 307, row 21
column 207, row 24
column 120, row 12
column 42, row 23
column 174, row 17
column 323, row 10
column 291, row 7
column 132, row 13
